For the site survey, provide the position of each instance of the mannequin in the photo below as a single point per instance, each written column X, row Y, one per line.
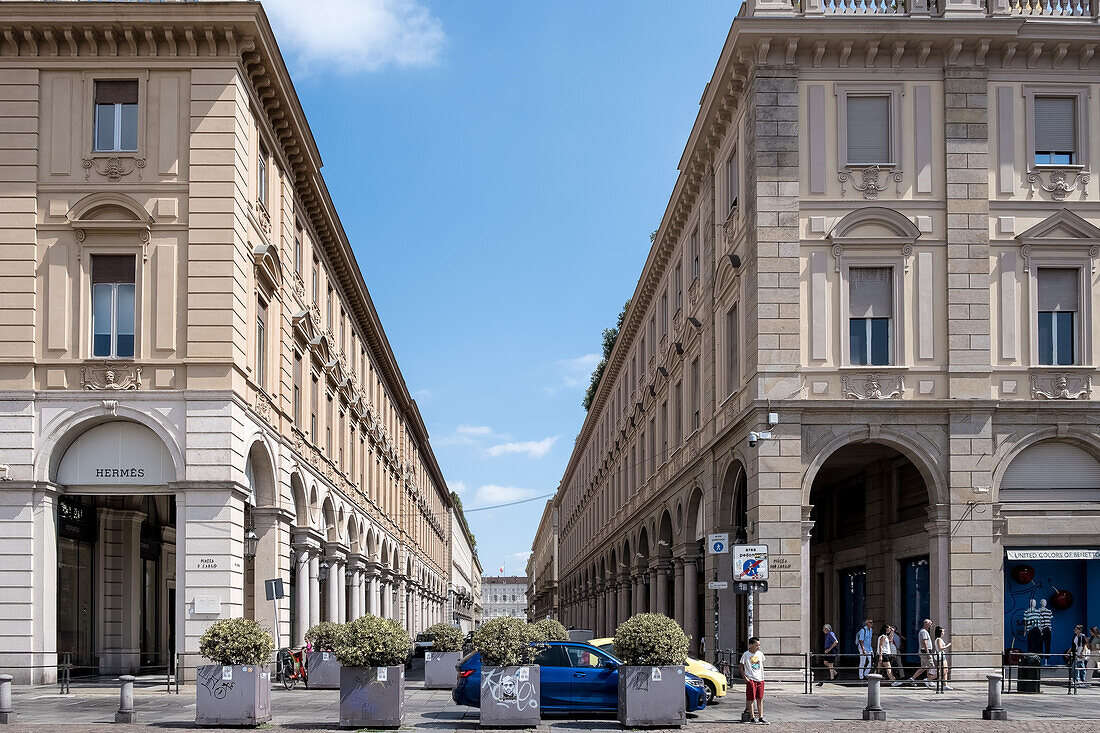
column 1046, row 618
column 1032, row 627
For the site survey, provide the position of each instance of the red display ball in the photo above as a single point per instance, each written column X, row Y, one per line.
column 1061, row 600
column 1023, row 574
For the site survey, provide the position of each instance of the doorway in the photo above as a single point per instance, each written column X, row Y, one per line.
column 915, row 606
column 853, row 606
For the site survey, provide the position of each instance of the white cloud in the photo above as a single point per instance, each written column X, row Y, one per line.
column 520, row 557
column 491, row 495
column 474, row 430
column 357, row 35
column 533, row 448
column 575, row 372
column 459, row 487
column 470, row 435
column 422, row 395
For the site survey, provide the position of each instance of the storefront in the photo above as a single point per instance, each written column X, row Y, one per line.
column 1048, row 591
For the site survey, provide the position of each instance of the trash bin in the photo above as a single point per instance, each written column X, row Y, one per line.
column 1030, row 671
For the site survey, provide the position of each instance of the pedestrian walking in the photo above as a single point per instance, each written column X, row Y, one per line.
column 899, row 642
column 924, row 647
column 1080, row 653
column 885, row 651
column 1094, row 652
column 939, row 656
column 865, row 643
column 832, row 651
column 752, row 671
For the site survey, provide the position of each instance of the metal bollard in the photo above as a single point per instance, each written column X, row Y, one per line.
column 874, row 710
column 7, row 714
column 993, row 709
column 126, row 712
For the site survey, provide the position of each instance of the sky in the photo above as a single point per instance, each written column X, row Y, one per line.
column 498, row 167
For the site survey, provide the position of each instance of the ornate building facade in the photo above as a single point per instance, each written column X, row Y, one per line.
column 863, row 336
column 196, row 395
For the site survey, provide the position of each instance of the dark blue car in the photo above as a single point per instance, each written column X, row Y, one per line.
column 575, row 677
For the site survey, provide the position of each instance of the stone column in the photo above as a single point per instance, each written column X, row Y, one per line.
column 401, row 612
column 342, row 577
column 662, row 589
column 373, row 597
column 651, row 574
column 678, row 591
column 601, row 613
column 314, row 588
column 333, row 583
column 609, row 607
column 301, row 593
column 383, row 596
column 624, row 600
column 691, row 602
column 364, row 593
column 354, row 611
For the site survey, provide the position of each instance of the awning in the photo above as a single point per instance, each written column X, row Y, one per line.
column 1047, row 553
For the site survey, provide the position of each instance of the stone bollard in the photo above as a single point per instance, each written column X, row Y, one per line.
column 874, row 710
column 126, row 712
column 7, row 715
column 994, row 710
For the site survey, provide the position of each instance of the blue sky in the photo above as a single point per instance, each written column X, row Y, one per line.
column 498, row 167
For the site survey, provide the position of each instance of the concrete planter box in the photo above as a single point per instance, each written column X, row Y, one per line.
column 323, row 671
column 439, row 669
column 238, row 694
column 372, row 697
column 510, row 697
column 652, row 697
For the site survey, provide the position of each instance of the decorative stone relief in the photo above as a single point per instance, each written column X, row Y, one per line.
column 1059, row 184
column 873, row 386
column 111, row 376
column 866, row 181
column 299, row 286
column 263, row 217
column 113, row 168
column 1061, row 386
column 693, row 292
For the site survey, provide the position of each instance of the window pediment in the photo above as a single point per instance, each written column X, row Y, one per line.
column 110, row 213
column 268, row 268
column 1062, row 227
column 876, row 224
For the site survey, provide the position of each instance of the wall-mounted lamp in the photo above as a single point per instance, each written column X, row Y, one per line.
column 662, row 371
column 250, row 542
column 679, row 348
column 694, row 322
column 734, row 260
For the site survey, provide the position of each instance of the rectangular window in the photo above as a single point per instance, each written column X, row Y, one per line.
column 652, row 336
column 695, row 253
column 696, row 394
column 1058, row 301
column 116, row 116
column 642, row 473
column 868, row 129
column 664, row 432
column 870, row 306
column 679, row 287
column 1055, row 130
column 733, row 350
column 652, row 447
column 298, row 389
column 330, row 415
column 731, row 181
column 261, row 177
column 313, row 405
column 261, row 343
column 113, row 314
column 316, row 281
column 664, row 313
column 328, row 309
column 678, row 416
column 298, row 250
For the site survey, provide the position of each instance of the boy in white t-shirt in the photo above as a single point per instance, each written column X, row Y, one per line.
column 752, row 671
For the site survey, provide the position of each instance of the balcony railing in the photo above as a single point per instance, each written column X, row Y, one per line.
column 1048, row 9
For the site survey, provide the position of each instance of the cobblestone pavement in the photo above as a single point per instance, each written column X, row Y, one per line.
column 912, row 710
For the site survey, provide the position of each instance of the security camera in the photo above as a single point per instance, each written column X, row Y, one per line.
column 754, row 438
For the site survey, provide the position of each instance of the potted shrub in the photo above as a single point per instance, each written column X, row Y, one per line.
column 322, row 666
column 372, row 653
column 653, row 649
column 441, row 660
column 236, row 688
column 510, row 683
column 548, row 629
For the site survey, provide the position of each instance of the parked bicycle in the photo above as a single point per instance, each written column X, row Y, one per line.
column 292, row 667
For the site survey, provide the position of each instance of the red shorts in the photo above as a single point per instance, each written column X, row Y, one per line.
column 754, row 690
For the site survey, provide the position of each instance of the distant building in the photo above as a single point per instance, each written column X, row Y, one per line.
column 465, row 591
column 505, row 595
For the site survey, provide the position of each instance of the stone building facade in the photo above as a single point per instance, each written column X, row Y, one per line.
column 879, row 259
column 503, row 595
column 542, row 568
column 196, row 393
column 465, row 592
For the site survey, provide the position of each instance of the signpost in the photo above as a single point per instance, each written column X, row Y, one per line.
column 275, row 591
column 750, row 572
column 718, row 544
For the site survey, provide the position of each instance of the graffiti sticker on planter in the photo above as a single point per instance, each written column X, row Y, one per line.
column 383, row 674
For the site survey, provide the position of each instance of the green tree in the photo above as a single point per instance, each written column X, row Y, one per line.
column 610, row 336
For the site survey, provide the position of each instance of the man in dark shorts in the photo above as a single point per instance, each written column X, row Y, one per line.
column 752, row 671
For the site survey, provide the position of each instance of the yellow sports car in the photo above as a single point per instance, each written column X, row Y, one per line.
column 715, row 681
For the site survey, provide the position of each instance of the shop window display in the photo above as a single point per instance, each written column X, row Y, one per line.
column 1047, row 593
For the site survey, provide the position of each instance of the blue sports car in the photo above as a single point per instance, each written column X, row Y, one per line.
column 575, row 677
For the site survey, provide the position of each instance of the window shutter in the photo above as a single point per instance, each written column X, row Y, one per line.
column 1055, row 124
column 870, row 293
column 112, row 268
column 868, row 123
column 1058, row 289
column 116, row 92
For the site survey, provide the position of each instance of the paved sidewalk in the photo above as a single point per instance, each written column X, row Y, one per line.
column 913, row 710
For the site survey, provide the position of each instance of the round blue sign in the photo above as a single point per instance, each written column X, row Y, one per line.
column 719, row 546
